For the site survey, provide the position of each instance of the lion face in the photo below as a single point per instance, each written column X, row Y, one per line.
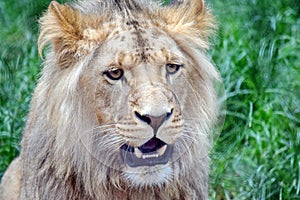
column 140, row 73
column 146, row 89
column 140, row 81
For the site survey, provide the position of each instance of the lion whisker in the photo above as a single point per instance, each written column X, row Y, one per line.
column 188, row 137
column 105, row 132
column 193, row 130
column 101, row 127
column 185, row 147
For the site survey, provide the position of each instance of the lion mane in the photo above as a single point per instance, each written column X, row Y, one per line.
column 103, row 94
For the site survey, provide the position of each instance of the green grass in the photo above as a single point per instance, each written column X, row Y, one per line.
column 257, row 52
column 19, row 67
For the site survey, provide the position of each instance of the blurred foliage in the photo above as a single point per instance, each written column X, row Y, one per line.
column 257, row 52
column 258, row 153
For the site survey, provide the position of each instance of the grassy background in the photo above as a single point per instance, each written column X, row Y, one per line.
column 257, row 52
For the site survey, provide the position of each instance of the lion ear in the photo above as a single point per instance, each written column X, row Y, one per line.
column 189, row 18
column 69, row 33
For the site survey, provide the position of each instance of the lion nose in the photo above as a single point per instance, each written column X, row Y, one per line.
column 154, row 121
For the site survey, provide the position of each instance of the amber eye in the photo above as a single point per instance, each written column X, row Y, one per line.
column 173, row 68
column 114, row 73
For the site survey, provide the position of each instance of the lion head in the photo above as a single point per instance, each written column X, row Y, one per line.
column 126, row 97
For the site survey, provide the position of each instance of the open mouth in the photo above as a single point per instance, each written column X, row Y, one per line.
column 153, row 152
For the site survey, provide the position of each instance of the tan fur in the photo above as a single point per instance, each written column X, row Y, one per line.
column 11, row 181
column 79, row 118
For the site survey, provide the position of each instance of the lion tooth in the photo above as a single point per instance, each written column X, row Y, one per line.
column 161, row 150
column 137, row 152
column 150, row 156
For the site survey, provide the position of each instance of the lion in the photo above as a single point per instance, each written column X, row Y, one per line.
column 125, row 104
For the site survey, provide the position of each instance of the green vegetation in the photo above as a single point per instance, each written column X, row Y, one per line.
column 257, row 52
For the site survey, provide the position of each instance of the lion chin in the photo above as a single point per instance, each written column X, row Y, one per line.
column 139, row 177
column 124, row 107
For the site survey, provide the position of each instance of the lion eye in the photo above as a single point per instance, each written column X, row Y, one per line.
column 114, row 73
column 173, row 68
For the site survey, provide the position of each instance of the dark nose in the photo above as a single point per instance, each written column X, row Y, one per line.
column 154, row 121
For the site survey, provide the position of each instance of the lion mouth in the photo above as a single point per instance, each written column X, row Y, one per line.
column 153, row 152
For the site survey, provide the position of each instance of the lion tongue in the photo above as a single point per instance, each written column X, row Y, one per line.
column 151, row 146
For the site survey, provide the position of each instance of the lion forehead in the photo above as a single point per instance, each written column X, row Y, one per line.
column 136, row 42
